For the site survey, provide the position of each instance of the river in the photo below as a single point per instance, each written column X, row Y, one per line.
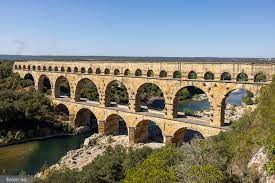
column 31, row 156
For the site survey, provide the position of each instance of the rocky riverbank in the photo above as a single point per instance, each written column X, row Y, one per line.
column 232, row 113
column 93, row 146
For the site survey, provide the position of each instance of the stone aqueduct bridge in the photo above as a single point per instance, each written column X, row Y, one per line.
column 134, row 75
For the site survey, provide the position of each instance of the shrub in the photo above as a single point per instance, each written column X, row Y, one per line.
column 188, row 112
column 247, row 100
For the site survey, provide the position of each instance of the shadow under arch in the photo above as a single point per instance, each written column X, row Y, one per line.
column 116, row 94
column 62, row 112
column 29, row 77
column 148, row 131
column 242, row 77
column 62, row 87
column 190, row 135
column 115, row 125
column 86, row 118
column 149, row 96
column 44, row 85
column 260, row 77
column 225, row 76
column 86, row 90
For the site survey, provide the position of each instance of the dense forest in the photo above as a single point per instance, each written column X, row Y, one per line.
column 24, row 112
column 222, row 158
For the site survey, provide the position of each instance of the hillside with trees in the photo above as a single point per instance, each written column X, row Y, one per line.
column 24, row 112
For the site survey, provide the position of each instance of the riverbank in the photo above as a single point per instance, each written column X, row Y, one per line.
column 35, row 139
column 93, row 146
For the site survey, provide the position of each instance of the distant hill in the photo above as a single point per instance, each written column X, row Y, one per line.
column 129, row 59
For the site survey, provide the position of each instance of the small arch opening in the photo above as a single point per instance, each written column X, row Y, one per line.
column 138, row 72
column 82, row 70
column 177, row 74
column 127, row 72
column 98, row 71
column 90, row 71
column 116, row 72
column 150, row 73
column 225, row 76
column 209, row 76
column 192, row 75
column 69, row 69
column 107, row 71
column 260, row 77
column 163, row 74
column 242, row 77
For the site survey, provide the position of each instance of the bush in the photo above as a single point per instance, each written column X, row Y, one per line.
column 188, row 112
column 156, row 168
column 205, row 174
column 247, row 100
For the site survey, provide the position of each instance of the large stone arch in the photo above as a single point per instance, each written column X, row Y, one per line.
column 140, row 89
column 62, row 112
column 44, row 84
column 178, row 93
column 226, row 94
column 80, row 84
column 108, row 91
column 58, row 82
column 85, row 117
column 147, row 131
column 115, row 125
column 178, row 136
column 30, row 77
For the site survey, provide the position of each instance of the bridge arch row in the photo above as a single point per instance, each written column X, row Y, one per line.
column 215, row 92
column 193, row 74
column 137, row 126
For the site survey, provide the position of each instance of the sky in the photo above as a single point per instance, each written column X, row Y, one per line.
column 177, row 28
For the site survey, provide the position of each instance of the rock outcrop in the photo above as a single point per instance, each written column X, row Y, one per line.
column 258, row 162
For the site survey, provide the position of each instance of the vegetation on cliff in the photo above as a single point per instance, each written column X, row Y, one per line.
column 24, row 112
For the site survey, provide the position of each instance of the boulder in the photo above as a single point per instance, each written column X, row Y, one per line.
column 90, row 141
column 82, row 129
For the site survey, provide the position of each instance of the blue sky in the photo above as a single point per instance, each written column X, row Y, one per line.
column 221, row 28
